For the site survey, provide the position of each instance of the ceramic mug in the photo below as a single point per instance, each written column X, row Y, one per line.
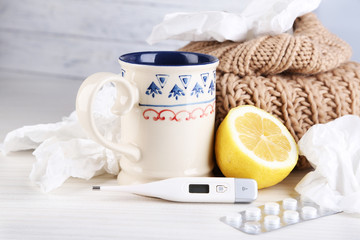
column 166, row 101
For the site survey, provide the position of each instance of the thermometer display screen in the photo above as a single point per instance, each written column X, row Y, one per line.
column 199, row 188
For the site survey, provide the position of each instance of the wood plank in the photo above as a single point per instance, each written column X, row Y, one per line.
column 28, row 99
column 70, row 56
column 109, row 19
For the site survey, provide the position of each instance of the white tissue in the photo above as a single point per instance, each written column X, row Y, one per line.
column 333, row 149
column 30, row 137
column 63, row 149
column 257, row 17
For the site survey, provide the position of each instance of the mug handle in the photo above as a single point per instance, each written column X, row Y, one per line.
column 84, row 101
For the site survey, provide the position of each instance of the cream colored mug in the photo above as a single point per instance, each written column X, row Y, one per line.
column 166, row 101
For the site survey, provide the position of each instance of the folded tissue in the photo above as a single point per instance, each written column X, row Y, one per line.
column 63, row 150
column 333, row 149
column 255, row 18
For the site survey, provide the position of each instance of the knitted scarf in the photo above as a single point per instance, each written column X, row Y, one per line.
column 303, row 78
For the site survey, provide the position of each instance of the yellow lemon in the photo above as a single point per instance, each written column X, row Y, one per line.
column 251, row 143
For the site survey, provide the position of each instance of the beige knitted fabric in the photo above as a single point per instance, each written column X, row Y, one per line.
column 303, row 78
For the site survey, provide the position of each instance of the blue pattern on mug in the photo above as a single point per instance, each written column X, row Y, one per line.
column 197, row 90
column 153, row 89
column 211, row 88
column 162, row 78
column 204, row 77
column 176, row 91
column 185, row 79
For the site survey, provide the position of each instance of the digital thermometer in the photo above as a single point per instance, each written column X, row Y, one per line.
column 194, row 189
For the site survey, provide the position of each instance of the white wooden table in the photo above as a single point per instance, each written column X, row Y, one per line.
column 75, row 212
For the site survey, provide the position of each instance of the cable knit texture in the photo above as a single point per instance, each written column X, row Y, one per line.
column 302, row 78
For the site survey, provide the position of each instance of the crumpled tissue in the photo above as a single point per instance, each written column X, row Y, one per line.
column 256, row 18
column 333, row 149
column 63, row 150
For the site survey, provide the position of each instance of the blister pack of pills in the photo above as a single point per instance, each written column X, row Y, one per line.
column 275, row 215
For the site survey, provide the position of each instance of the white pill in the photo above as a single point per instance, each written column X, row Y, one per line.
column 272, row 208
column 252, row 227
column 289, row 204
column 308, row 212
column 291, row 216
column 234, row 220
column 272, row 222
column 253, row 214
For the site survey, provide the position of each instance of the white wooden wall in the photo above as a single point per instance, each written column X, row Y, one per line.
column 74, row 38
